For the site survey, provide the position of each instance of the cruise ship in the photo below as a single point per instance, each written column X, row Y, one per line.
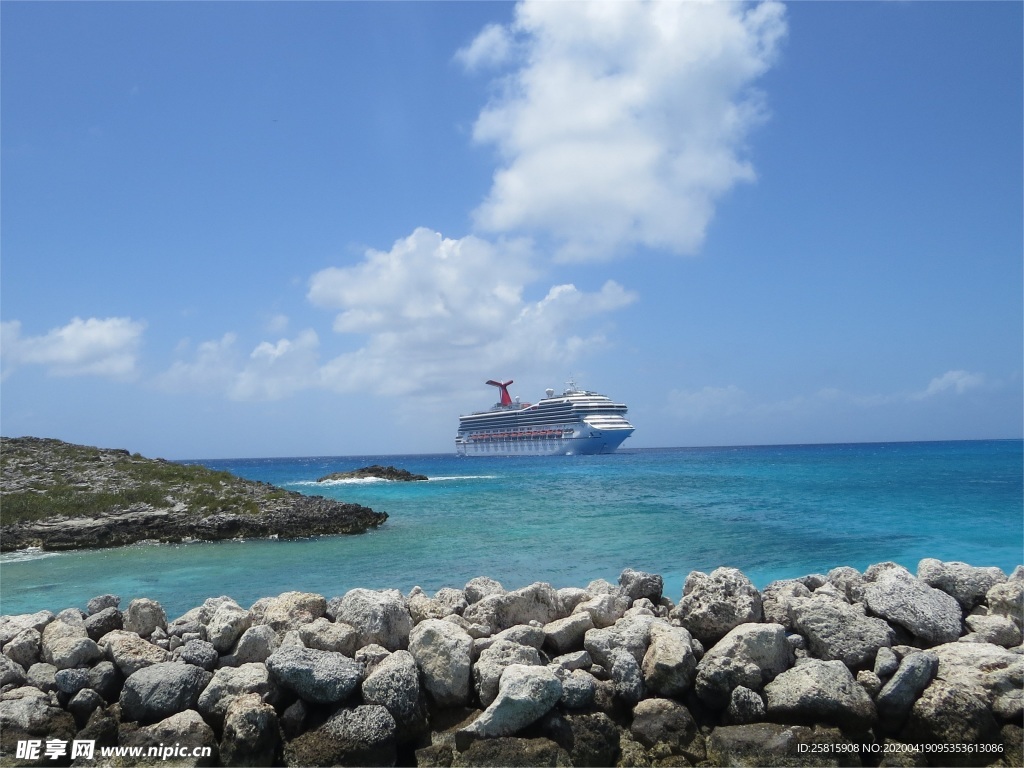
column 574, row 423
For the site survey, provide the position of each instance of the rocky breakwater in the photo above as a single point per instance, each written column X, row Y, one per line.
column 56, row 495
column 884, row 667
column 374, row 472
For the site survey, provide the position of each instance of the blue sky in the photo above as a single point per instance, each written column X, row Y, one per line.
column 267, row 229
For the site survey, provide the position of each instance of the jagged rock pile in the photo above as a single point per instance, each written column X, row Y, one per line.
column 874, row 668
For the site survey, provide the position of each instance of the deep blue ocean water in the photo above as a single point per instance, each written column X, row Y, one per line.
column 773, row 512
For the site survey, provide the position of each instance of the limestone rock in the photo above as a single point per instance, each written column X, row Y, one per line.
column 750, row 655
column 927, row 613
column 180, row 728
column 442, row 651
column 820, row 691
column 144, row 616
column 252, row 733
column 395, row 685
column 537, row 602
column 849, row 582
column 361, row 736
column 966, row 583
column 103, row 621
column 716, row 603
column 525, row 694
column 836, row 630
column 995, row 628
column 1007, row 600
column 378, row 617
column 161, row 690
column 480, row 587
column 664, row 723
column 899, row 694
column 256, row 645
column 320, row 677
column 103, row 602
column 745, row 706
column 226, row 625
column 604, row 609
column 326, row 635
column 23, row 649
column 10, row 626
column 492, row 663
column 291, row 610
column 772, row 744
column 229, row 683
column 638, row 584
column 669, row 665
column 11, row 673
column 198, row 653
column 778, row 597
column 564, row 635
column 130, row 653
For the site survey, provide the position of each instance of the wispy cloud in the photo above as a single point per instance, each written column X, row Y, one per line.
column 105, row 347
column 729, row 402
column 624, row 123
column 428, row 314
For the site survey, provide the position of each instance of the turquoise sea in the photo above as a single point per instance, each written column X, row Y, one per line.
column 774, row 512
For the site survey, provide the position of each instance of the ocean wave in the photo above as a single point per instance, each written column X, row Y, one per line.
column 374, row 480
column 23, row 555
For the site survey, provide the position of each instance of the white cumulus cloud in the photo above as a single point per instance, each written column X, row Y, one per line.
column 625, row 122
column 106, row 347
column 955, row 382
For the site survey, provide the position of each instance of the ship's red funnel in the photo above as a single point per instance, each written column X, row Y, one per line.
column 506, row 398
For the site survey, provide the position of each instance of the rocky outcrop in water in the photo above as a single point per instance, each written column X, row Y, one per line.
column 610, row 674
column 375, row 471
column 59, row 496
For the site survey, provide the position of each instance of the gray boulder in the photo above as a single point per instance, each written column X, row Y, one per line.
column 927, row 613
column 966, row 583
column 538, row 602
column 161, row 690
column 226, row 625
column 252, row 732
column 106, row 680
column 319, row 677
column 849, row 582
column 130, row 653
column 102, row 603
column 1007, row 600
column 604, row 609
column 103, row 621
column 836, row 630
column 199, row 653
column 665, row 724
column 565, row 635
column 772, row 744
column 993, row 628
column 362, row 736
column 778, row 597
column 291, row 610
column 228, row 683
column 83, row 704
column 144, row 616
column 480, row 587
column 637, row 585
column 179, row 729
column 624, row 671
column 716, row 603
column 492, row 663
column 10, row 626
column 630, row 633
column 28, row 713
column 443, row 652
column 378, row 617
column 745, row 706
column 669, row 665
column 525, row 694
column 820, row 691
column 24, row 648
column 899, row 694
column 69, row 652
column 11, row 673
column 395, row 685
column 325, row 635
column 578, row 689
column 256, row 645
column 750, row 655
column 446, row 602
column 42, row 676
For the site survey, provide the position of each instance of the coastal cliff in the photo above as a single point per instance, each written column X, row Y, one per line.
column 880, row 668
column 57, row 496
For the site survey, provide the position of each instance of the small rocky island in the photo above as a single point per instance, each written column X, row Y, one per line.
column 374, row 471
column 60, row 496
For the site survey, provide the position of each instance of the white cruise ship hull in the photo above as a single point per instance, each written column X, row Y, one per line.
column 576, row 422
column 579, row 443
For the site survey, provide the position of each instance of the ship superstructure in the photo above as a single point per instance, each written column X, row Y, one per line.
column 575, row 422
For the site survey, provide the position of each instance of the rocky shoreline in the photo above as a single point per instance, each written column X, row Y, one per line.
column 60, row 496
column 375, row 472
column 880, row 668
